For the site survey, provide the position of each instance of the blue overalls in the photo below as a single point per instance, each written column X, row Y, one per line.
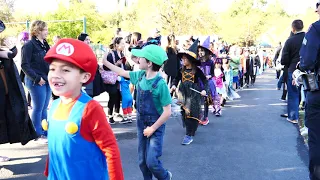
column 150, row 149
column 70, row 155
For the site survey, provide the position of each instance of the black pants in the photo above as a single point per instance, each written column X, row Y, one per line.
column 312, row 114
column 29, row 98
column 191, row 126
column 247, row 78
column 278, row 74
column 206, row 109
column 253, row 79
column 284, row 91
column 114, row 102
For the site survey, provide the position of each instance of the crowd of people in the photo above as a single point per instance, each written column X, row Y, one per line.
column 140, row 76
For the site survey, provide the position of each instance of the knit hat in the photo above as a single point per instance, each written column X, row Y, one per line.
column 191, row 53
column 75, row 52
column 82, row 36
column 2, row 26
column 152, row 53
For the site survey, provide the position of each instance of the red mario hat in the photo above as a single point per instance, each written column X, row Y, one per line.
column 75, row 52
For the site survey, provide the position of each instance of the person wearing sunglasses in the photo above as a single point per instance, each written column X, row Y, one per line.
column 15, row 123
column 310, row 61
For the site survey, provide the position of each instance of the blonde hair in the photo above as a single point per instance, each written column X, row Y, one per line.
column 37, row 26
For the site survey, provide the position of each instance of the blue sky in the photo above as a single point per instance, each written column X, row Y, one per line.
column 291, row 6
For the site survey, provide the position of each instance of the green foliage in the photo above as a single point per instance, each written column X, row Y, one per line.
column 245, row 22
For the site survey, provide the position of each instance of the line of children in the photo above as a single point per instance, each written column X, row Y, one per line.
column 81, row 143
column 192, row 78
column 220, row 87
column 207, row 67
column 153, row 108
column 228, row 72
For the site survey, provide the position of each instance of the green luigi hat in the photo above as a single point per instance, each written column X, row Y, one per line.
column 152, row 53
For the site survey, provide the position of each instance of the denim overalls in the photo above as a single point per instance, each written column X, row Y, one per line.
column 150, row 149
column 71, row 157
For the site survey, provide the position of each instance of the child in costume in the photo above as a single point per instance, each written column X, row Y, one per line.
column 228, row 72
column 153, row 108
column 192, row 88
column 126, row 99
column 220, row 87
column 81, row 144
column 207, row 67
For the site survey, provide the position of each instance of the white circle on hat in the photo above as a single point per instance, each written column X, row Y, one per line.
column 66, row 49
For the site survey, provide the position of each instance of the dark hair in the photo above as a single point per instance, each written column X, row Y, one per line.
column 155, row 67
column 297, row 25
column 117, row 40
column 82, row 36
column 134, row 47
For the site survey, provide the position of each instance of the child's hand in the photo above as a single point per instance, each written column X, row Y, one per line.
column 208, row 77
column 173, row 88
column 148, row 131
column 203, row 93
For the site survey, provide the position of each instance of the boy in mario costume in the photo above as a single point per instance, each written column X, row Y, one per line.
column 81, row 143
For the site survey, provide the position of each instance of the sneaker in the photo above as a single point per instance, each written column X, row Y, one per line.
column 284, row 115
column 124, row 121
column 218, row 113
column 129, row 120
column 283, row 100
column 292, row 121
column 42, row 140
column 187, row 140
column 119, row 117
column 205, row 122
column 111, row 121
column 170, row 175
column 6, row 159
column 304, row 131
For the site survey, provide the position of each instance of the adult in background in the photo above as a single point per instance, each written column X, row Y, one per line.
column 276, row 56
column 15, row 123
column 96, row 87
column 113, row 90
column 310, row 61
column 290, row 58
column 172, row 65
column 36, row 70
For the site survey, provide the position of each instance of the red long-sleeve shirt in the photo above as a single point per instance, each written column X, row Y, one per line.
column 95, row 128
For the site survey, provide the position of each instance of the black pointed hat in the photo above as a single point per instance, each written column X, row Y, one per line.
column 191, row 53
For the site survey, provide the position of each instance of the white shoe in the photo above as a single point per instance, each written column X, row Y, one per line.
column 304, row 131
column 42, row 140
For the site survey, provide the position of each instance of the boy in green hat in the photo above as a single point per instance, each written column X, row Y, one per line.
column 153, row 108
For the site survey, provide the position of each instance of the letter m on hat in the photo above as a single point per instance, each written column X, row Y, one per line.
column 66, row 49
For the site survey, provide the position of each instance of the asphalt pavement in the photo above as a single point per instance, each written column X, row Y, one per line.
column 250, row 141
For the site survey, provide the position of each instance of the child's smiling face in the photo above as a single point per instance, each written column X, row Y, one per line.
column 65, row 79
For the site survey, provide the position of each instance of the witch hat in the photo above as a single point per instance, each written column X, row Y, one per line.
column 191, row 53
column 206, row 45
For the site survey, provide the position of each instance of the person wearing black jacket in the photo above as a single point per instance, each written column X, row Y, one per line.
column 290, row 58
column 96, row 87
column 36, row 70
column 172, row 66
column 15, row 123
